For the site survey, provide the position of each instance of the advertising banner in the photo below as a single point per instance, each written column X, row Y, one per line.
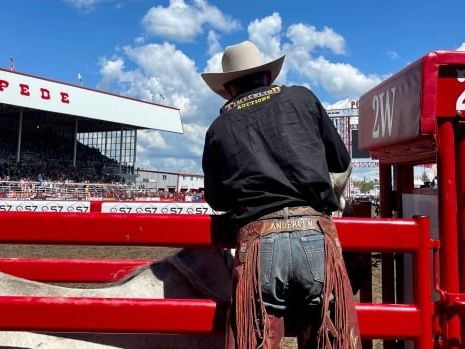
column 42, row 94
column 158, row 207
column 44, row 206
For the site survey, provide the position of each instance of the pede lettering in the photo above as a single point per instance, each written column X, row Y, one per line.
column 43, row 93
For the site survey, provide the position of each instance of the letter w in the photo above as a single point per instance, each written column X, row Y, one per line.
column 387, row 111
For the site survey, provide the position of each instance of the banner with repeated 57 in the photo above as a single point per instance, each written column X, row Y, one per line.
column 158, row 208
column 44, row 206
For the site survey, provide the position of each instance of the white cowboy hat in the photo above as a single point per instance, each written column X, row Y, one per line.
column 240, row 60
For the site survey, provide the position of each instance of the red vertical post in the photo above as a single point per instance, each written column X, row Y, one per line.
column 460, row 173
column 422, row 284
column 385, row 192
column 404, row 184
column 447, row 200
column 387, row 259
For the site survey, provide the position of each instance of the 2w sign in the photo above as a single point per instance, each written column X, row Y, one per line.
column 451, row 91
column 383, row 110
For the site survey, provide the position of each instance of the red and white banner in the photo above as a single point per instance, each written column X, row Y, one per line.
column 451, row 90
column 137, row 207
column 42, row 94
column 157, row 207
column 45, row 206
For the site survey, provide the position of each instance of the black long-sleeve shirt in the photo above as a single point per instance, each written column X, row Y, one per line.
column 270, row 148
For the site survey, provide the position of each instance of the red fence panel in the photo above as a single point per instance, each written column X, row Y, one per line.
column 410, row 321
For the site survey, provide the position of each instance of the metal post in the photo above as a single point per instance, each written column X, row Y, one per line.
column 404, row 186
column 387, row 258
column 76, row 124
column 385, row 190
column 447, row 200
column 423, row 279
column 20, row 132
column 105, row 144
column 120, row 150
column 460, row 154
column 134, row 148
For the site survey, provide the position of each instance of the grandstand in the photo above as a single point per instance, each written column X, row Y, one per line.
column 70, row 138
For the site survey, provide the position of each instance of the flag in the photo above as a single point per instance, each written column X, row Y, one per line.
column 12, row 64
column 79, row 77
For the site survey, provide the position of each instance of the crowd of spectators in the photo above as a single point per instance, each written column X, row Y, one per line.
column 50, row 159
column 46, row 171
column 166, row 195
column 46, row 190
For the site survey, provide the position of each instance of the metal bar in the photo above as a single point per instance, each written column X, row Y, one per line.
column 460, row 173
column 105, row 229
column 360, row 234
column 20, row 134
column 134, row 152
column 399, row 321
column 385, row 179
column 109, row 315
column 71, row 270
column 75, row 140
column 447, row 216
column 422, row 279
column 172, row 316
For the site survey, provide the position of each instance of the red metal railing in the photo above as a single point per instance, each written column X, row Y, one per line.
column 409, row 321
column 71, row 270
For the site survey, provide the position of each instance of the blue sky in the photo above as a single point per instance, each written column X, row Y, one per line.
column 148, row 49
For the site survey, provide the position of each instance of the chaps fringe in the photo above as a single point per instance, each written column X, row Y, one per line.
column 250, row 311
column 343, row 333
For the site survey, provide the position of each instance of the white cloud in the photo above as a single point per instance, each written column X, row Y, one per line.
column 393, row 55
column 308, row 37
column 151, row 70
column 345, row 103
column 461, row 47
column 111, row 70
column 182, row 22
column 339, row 79
column 214, row 45
column 86, row 5
column 195, row 134
column 162, row 69
column 266, row 34
column 213, row 64
column 171, row 66
column 151, row 139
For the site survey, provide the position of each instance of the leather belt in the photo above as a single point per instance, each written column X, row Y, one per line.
column 252, row 231
column 292, row 212
column 269, row 226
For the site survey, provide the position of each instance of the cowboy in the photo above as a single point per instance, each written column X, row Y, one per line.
column 266, row 161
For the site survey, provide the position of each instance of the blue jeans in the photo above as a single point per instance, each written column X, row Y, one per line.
column 292, row 275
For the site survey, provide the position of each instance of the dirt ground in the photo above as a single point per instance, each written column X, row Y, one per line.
column 156, row 253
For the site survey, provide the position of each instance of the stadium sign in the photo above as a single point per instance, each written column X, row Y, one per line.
column 41, row 94
column 158, row 208
column 342, row 112
column 44, row 206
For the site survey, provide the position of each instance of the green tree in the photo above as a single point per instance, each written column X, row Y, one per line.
column 424, row 177
column 364, row 185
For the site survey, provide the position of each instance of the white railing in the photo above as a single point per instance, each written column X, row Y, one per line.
column 48, row 190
